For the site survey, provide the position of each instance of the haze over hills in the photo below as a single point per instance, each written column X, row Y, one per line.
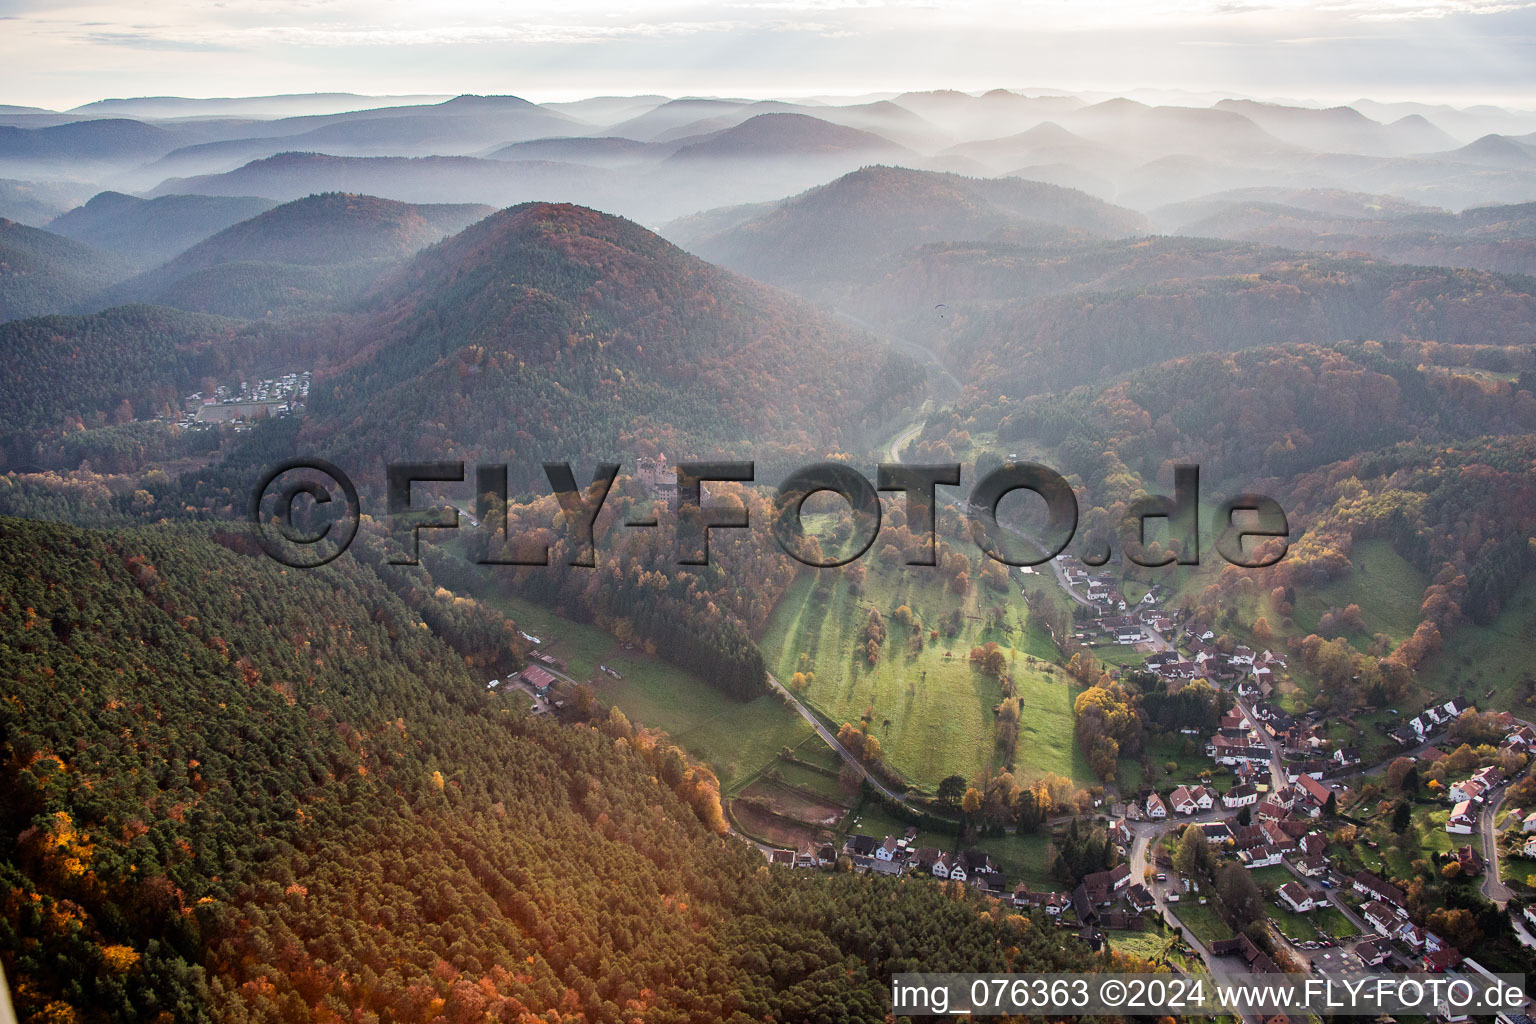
column 1499, row 238
column 580, row 329
column 248, row 791
column 1132, row 153
column 429, row 179
column 853, row 226
column 1343, row 129
column 312, row 253
column 150, row 231
column 291, row 105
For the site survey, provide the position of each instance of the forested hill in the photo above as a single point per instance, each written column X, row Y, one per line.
column 851, row 229
column 63, row 373
column 554, row 331
column 334, row 227
column 236, row 792
column 1002, row 328
column 41, row 272
column 313, row 253
column 150, row 231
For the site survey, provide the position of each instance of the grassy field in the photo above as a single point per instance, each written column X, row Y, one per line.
column 1426, row 835
column 1296, row 927
column 1331, row 921
column 812, row 750
column 1476, row 659
column 1272, row 877
column 1388, row 590
column 1192, row 766
column 1203, row 921
column 801, row 777
column 872, row 820
column 735, row 738
column 1023, row 858
column 931, row 709
column 1149, row 944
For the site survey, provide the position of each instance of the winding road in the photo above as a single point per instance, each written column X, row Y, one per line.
column 832, row 741
column 1493, row 886
column 1146, row 833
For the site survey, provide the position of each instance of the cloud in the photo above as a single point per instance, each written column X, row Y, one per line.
column 146, row 41
column 448, row 35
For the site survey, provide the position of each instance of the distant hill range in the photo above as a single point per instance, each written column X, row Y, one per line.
column 151, row 231
column 313, row 253
column 851, row 228
column 1497, row 238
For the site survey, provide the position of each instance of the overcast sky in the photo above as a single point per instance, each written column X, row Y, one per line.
column 1461, row 51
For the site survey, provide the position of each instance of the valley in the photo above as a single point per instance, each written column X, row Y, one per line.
column 464, row 786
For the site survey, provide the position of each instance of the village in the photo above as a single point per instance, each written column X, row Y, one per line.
column 249, row 400
column 1272, row 810
column 1282, row 798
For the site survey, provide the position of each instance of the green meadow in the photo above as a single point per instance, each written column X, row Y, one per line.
column 931, row 709
column 735, row 738
column 1477, row 659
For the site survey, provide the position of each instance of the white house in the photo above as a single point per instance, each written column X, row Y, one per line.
column 1463, row 819
column 888, row 849
column 1346, row 757
column 1053, row 903
column 942, row 865
column 1381, row 918
column 1181, row 801
column 1205, row 798
column 1466, row 789
column 1156, row 810
column 1260, row 857
column 1240, row 796
column 1298, row 899
column 1412, row 935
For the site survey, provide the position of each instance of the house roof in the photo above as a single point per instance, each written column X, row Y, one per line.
column 1315, row 790
column 1373, row 949
column 1440, row 959
column 1383, row 889
column 536, row 677
column 1378, row 912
